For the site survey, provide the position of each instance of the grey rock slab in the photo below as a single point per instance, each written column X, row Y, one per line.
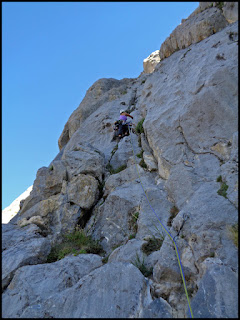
column 217, row 296
column 208, row 214
column 111, row 223
column 128, row 252
column 129, row 175
column 126, row 147
column 178, row 118
column 121, row 289
column 32, row 285
column 154, row 212
column 22, row 247
column 159, row 308
column 85, row 159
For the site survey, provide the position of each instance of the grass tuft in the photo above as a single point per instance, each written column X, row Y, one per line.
column 76, row 242
column 139, row 126
column 140, row 264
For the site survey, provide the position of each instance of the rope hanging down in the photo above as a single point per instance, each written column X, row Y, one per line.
column 168, row 233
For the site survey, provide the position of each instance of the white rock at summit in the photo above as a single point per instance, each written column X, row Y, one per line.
column 151, row 61
column 9, row 212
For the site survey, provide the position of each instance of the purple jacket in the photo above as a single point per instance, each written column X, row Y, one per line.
column 123, row 118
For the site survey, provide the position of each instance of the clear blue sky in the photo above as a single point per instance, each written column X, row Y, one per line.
column 52, row 52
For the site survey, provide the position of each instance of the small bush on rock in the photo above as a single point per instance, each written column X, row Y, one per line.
column 234, row 233
column 76, row 242
column 142, row 267
column 153, row 244
column 139, row 126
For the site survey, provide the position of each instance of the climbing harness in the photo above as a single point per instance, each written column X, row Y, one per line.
column 168, row 233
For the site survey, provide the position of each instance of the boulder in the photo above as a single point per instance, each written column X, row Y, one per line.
column 55, row 216
column 85, row 159
column 48, row 182
column 83, row 191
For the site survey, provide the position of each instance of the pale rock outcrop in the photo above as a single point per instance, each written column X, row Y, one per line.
column 230, row 11
column 48, row 182
column 151, row 61
column 83, row 191
column 9, row 212
column 193, row 30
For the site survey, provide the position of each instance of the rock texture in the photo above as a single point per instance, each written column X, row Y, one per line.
column 179, row 174
column 151, row 61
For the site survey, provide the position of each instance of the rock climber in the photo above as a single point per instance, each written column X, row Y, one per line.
column 123, row 126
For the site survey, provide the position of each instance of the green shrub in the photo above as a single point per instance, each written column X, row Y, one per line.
column 142, row 267
column 152, row 244
column 133, row 222
column 142, row 163
column 76, row 242
column 114, row 171
column 132, row 236
column 219, row 179
column 143, row 81
column 223, row 190
column 234, row 233
column 140, row 155
column 173, row 212
column 121, row 168
column 139, row 126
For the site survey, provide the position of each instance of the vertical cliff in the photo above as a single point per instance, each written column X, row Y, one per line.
column 183, row 153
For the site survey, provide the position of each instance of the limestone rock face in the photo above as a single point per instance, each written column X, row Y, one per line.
column 151, row 61
column 21, row 247
column 193, row 30
column 103, row 90
column 178, row 180
column 39, row 282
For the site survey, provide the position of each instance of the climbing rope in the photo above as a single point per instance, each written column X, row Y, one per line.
column 168, row 233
